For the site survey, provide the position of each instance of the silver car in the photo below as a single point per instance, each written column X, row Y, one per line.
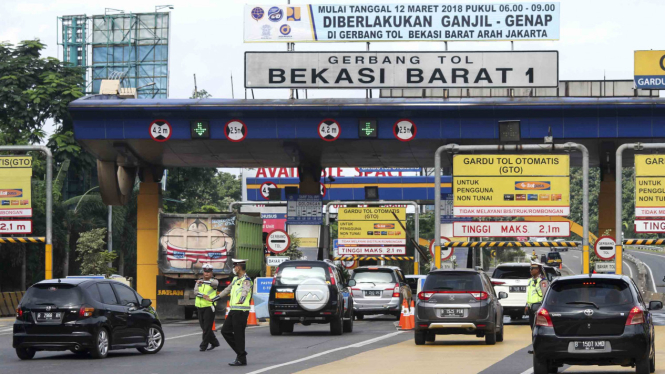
column 458, row 302
column 379, row 290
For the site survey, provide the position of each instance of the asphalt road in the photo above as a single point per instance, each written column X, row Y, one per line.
column 655, row 262
column 572, row 262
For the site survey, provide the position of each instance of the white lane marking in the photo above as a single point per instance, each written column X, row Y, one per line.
column 528, row 371
column 629, row 269
column 357, row 345
column 199, row 333
column 653, row 281
column 575, row 256
column 9, row 329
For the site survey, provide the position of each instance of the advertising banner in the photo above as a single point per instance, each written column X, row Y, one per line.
column 15, row 188
column 491, row 69
column 649, row 186
column 273, row 221
column 401, row 22
column 511, row 185
column 650, row 70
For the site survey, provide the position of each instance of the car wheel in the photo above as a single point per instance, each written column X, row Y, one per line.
column 336, row 327
column 189, row 313
column 275, row 327
column 398, row 315
column 79, row 353
column 539, row 366
column 430, row 337
column 499, row 335
column 359, row 317
column 155, row 340
column 420, row 337
column 643, row 365
column 490, row 337
column 286, row 326
column 100, row 344
column 25, row 353
column 348, row 323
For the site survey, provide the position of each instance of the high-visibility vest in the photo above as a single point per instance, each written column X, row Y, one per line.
column 205, row 289
column 236, row 294
column 534, row 294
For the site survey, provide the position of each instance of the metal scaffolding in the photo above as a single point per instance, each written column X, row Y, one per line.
column 132, row 47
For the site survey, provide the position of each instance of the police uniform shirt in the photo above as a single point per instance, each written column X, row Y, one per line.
column 245, row 290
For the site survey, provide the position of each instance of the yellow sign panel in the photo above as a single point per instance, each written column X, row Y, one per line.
column 650, row 192
column 370, row 230
column 15, row 192
column 650, row 165
column 511, row 191
column 309, row 242
column 511, row 165
column 649, row 63
column 371, row 214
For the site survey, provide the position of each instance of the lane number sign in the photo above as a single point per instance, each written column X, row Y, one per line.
column 605, row 247
column 278, row 241
column 265, row 189
column 235, row 130
column 405, row 130
column 446, row 252
column 329, row 130
column 160, row 130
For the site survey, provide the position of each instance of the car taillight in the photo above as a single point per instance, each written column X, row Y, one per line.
column 332, row 277
column 543, row 318
column 395, row 290
column 355, row 289
column 482, row 295
column 425, row 295
column 19, row 313
column 274, row 280
column 497, row 283
column 635, row 317
column 86, row 312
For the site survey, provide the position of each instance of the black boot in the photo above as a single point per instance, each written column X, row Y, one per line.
column 237, row 362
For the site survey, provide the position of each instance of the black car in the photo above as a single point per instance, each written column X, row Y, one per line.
column 594, row 320
column 85, row 316
column 309, row 292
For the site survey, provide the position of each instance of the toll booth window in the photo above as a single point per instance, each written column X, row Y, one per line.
column 200, row 129
column 367, row 128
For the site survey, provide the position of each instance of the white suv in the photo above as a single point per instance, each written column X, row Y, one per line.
column 512, row 278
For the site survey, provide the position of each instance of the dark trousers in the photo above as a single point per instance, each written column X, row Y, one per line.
column 233, row 332
column 206, row 319
column 532, row 318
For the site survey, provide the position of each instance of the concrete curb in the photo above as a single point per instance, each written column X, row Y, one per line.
column 641, row 281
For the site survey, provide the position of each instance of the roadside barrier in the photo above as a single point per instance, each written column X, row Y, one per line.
column 23, row 239
column 251, row 320
column 644, row 242
column 509, row 244
column 9, row 302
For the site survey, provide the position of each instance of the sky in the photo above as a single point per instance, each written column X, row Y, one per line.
column 597, row 40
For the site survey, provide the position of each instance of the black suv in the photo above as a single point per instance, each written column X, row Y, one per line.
column 594, row 320
column 309, row 292
column 85, row 315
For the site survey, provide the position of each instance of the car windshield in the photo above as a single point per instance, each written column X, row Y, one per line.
column 373, row 276
column 554, row 255
column 298, row 274
column 603, row 292
column 59, row 295
column 510, row 272
column 453, row 281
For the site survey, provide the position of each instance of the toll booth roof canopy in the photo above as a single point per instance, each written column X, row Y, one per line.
column 282, row 133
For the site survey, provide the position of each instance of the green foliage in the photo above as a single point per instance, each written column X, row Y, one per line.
column 294, row 252
column 200, row 94
column 92, row 254
column 199, row 187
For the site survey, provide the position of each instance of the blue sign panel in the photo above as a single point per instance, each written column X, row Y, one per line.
column 304, row 210
column 263, row 285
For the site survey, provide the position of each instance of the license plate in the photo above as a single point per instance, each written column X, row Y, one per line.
column 284, row 295
column 517, row 288
column 589, row 345
column 372, row 293
column 48, row 315
column 452, row 312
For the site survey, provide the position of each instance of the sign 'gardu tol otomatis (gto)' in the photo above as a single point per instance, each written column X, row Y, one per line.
column 649, row 186
column 491, row 69
column 511, row 185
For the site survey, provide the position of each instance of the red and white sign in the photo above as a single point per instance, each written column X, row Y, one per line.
column 649, row 212
column 605, row 248
column 349, row 264
column 272, row 224
column 15, row 212
column 446, row 252
column 235, row 130
column 405, row 130
column 511, row 229
column 329, row 130
column 502, row 211
column 649, row 226
column 324, row 190
column 278, row 241
column 265, row 189
column 160, row 130
column 16, row 227
column 371, row 241
column 374, row 251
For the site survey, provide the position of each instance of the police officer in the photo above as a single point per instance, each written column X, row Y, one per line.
column 206, row 290
column 233, row 330
column 535, row 290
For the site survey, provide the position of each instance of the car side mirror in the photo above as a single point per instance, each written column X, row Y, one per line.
column 503, row 295
column 351, row 283
column 655, row 305
column 535, row 307
column 146, row 303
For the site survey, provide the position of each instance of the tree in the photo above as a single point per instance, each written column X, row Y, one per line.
column 200, row 94
column 92, row 254
column 293, row 252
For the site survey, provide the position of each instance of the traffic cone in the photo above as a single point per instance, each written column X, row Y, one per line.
column 251, row 320
column 404, row 317
column 412, row 316
column 228, row 308
column 214, row 328
column 561, row 266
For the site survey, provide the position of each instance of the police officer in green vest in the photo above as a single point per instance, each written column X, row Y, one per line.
column 535, row 290
column 205, row 291
column 233, row 331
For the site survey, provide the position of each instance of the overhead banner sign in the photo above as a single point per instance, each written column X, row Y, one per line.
column 511, row 185
column 650, row 70
column 489, row 69
column 649, row 186
column 371, row 231
column 511, row 229
column 401, row 22
column 15, row 188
